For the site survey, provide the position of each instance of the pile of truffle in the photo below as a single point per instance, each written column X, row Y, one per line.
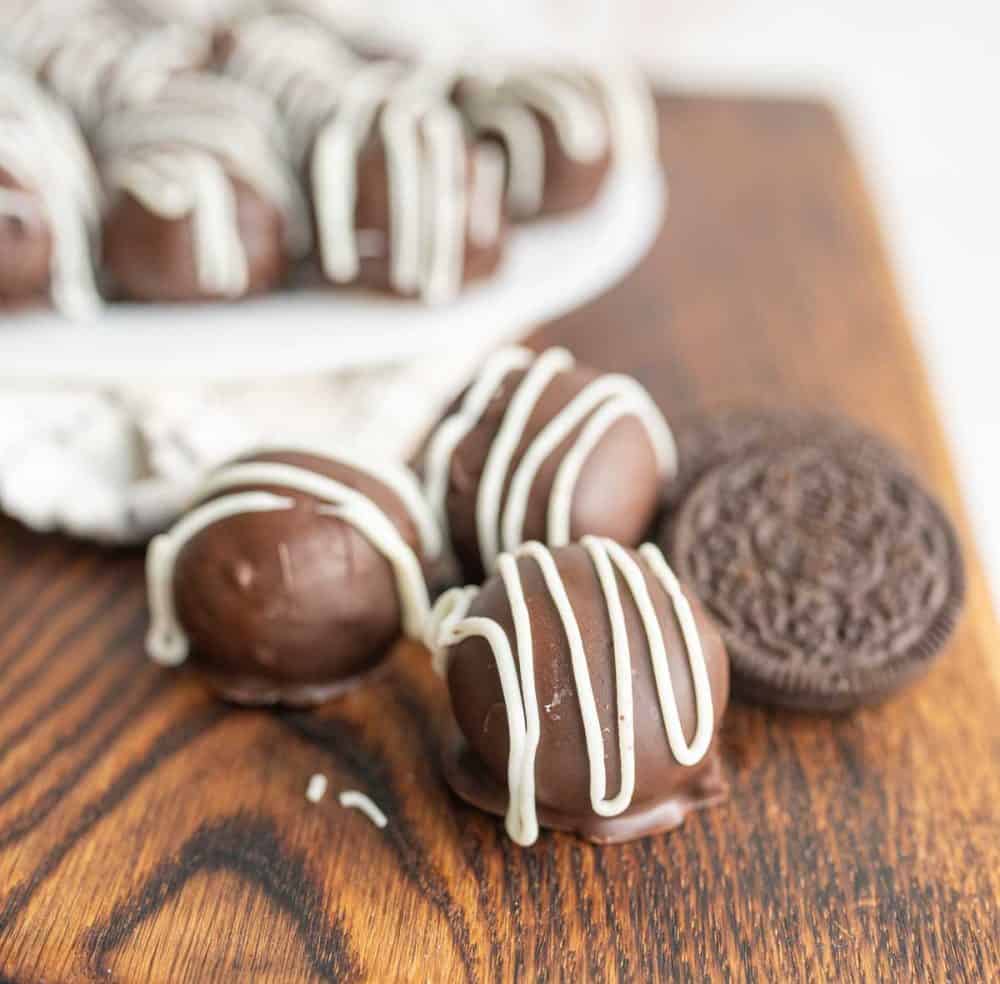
column 292, row 575
column 146, row 160
column 587, row 682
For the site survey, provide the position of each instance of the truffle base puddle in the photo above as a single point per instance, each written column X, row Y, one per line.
column 470, row 781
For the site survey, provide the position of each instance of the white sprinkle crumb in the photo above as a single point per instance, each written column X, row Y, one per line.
column 352, row 798
column 316, row 789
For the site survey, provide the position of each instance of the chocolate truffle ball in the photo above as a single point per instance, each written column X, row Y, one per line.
column 49, row 201
column 401, row 200
column 587, row 687
column 291, row 576
column 539, row 448
column 422, row 213
column 203, row 201
column 150, row 256
column 561, row 130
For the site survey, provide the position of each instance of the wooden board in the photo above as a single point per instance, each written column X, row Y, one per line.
column 148, row 833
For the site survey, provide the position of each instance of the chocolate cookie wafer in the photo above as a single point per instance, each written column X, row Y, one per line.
column 710, row 439
column 835, row 578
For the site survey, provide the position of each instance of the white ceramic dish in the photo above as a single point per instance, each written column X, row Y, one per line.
column 552, row 267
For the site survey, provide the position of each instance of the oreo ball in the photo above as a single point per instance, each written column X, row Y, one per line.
column 587, row 688
column 540, row 448
column 291, row 576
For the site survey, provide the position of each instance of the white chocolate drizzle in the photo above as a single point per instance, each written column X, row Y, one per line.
column 42, row 150
column 450, row 624
column 300, row 67
column 489, row 170
column 592, row 111
column 424, row 144
column 177, row 157
column 353, row 799
column 337, row 107
column 95, row 56
column 500, row 514
column 234, row 490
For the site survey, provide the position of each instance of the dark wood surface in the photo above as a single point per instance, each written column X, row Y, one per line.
column 148, row 833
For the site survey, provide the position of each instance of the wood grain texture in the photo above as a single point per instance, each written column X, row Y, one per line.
column 150, row 834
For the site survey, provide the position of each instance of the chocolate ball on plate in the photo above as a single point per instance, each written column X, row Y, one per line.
column 403, row 201
column 561, row 129
column 203, row 201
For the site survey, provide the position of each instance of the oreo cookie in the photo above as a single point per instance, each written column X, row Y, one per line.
column 708, row 440
column 834, row 577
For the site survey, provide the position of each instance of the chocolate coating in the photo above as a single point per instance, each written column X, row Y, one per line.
column 25, row 248
column 617, row 492
column 152, row 258
column 292, row 606
column 569, row 184
column 665, row 791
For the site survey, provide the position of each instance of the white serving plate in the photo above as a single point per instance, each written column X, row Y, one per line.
column 552, row 266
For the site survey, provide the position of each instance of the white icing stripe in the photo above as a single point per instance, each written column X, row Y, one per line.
column 356, row 800
column 631, row 110
column 699, row 670
column 589, row 109
column 335, row 167
column 398, row 478
column 444, row 207
column 486, row 196
column 95, row 55
column 401, row 141
column 42, row 150
column 622, row 656
column 451, row 431
column 520, row 133
column 167, row 642
column 302, row 69
column 576, row 116
column 500, row 514
column 524, row 778
column 449, row 624
column 334, row 103
column 351, row 506
column 626, row 397
column 489, row 496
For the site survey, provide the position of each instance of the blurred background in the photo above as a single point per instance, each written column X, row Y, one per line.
column 917, row 83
